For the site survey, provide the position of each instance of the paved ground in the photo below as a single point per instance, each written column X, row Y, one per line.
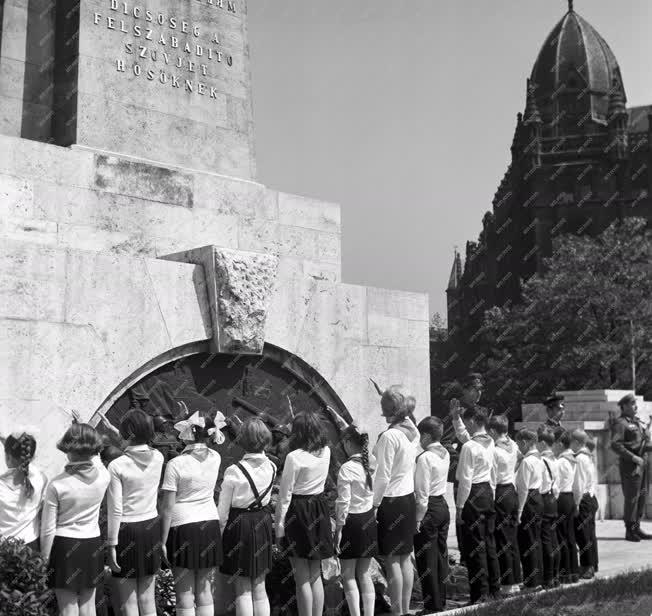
column 616, row 555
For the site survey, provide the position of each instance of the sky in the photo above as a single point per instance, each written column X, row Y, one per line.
column 403, row 112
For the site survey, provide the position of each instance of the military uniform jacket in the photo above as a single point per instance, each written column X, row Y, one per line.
column 550, row 424
column 629, row 439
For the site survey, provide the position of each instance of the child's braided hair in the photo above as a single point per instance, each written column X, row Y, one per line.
column 22, row 449
column 361, row 440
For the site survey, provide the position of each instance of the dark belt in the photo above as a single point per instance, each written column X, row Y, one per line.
column 504, row 485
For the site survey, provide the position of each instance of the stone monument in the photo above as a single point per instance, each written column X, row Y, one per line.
column 591, row 411
column 135, row 238
column 142, row 263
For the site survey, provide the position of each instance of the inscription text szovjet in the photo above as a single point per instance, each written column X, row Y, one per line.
column 166, row 48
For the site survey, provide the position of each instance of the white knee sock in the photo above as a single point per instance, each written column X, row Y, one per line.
column 353, row 600
column 368, row 603
column 261, row 607
column 205, row 610
column 185, row 611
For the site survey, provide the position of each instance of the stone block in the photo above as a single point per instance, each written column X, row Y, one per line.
column 230, row 196
column 394, row 332
column 31, row 281
column 16, row 198
column 126, row 177
column 117, row 295
column 398, row 304
column 46, row 360
column 84, row 237
column 259, row 235
column 309, row 244
column 239, row 286
column 31, row 230
column 309, row 213
column 43, row 161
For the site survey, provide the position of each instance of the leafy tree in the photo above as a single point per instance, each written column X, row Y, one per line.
column 578, row 322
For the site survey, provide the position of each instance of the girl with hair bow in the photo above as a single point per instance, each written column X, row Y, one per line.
column 190, row 526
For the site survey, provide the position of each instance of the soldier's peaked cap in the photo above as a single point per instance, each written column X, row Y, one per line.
column 550, row 400
column 626, row 398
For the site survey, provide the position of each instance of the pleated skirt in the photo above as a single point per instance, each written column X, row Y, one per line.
column 76, row 564
column 397, row 520
column 195, row 546
column 139, row 548
column 308, row 532
column 247, row 543
column 359, row 536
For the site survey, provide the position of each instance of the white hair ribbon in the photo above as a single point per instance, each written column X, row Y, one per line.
column 216, row 432
column 185, row 427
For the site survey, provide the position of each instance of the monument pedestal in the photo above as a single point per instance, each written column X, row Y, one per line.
column 591, row 411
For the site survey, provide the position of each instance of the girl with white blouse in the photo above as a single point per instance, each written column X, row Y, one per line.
column 70, row 531
column 395, row 454
column 303, row 525
column 356, row 536
column 246, row 522
column 21, row 491
column 190, row 527
column 134, row 527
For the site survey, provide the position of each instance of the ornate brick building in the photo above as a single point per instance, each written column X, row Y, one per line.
column 580, row 160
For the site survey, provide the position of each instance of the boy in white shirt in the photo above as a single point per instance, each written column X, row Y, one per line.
column 530, row 507
column 433, row 517
column 583, row 492
column 505, row 456
column 476, row 509
column 566, row 509
column 549, row 494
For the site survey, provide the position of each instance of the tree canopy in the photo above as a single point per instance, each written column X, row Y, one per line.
column 579, row 321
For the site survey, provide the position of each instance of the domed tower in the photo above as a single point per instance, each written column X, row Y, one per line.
column 573, row 78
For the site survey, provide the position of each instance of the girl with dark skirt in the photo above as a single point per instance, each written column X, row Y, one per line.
column 190, row 527
column 134, row 528
column 394, row 500
column 356, row 538
column 70, row 532
column 21, row 491
column 303, row 525
column 246, row 521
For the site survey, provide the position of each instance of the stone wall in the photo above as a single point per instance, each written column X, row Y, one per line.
column 86, row 300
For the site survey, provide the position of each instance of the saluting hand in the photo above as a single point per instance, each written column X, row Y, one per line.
column 454, row 408
column 638, row 461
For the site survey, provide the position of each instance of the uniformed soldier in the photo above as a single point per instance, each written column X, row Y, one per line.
column 630, row 439
column 555, row 410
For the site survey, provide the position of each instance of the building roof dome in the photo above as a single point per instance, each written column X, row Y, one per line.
column 576, row 64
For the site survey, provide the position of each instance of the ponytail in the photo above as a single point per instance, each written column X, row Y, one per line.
column 21, row 449
column 365, row 459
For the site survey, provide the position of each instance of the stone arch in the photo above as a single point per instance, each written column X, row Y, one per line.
column 238, row 385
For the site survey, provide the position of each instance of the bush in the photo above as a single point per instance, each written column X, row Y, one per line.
column 23, row 581
column 165, row 597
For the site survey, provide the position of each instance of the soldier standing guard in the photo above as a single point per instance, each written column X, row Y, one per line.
column 631, row 441
column 555, row 409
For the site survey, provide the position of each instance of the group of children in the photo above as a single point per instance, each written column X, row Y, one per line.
column 390, row 503
column 525, row 508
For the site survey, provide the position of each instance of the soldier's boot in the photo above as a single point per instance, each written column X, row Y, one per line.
column 642, row 534
column 631, row 534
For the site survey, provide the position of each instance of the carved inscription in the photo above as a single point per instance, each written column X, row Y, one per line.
column 167, row 48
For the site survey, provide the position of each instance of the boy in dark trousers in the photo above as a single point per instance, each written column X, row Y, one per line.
column 530, row 506
column 549, row 494
column 433, row 517
column 583, row 492
column 476, row 511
